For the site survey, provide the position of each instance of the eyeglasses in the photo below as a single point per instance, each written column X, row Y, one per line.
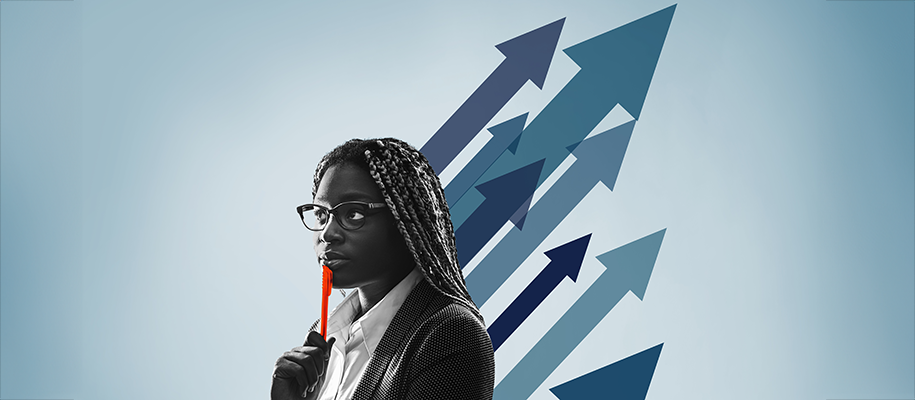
column 349, row 214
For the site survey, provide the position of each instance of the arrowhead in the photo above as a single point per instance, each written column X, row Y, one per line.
column 603, row 153
column 570, row 255
column 513, row 147
column 571, row 147
column 511, row 189
column 626, row 379
column 503, row 196
column 632, row 263
column 532, row 52
column 511, row 128
column 627, row 57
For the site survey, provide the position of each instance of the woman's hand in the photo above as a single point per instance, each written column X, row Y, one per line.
column 300, row 372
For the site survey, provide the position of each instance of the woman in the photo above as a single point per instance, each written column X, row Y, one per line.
column 410, row 330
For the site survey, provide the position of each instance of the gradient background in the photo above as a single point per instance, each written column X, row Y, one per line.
column 153, row 153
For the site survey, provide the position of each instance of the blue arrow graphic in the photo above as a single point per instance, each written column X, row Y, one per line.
column 503, row 196
column 616, row 67
column 599, row 160
column 527, row 57
column 628, row 269
column 565, row 261
column 626, row 379
column 504, row 135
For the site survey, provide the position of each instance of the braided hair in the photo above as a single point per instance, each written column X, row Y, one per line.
column 415, row 197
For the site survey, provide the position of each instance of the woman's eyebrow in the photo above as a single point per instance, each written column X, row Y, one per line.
column 350, row 196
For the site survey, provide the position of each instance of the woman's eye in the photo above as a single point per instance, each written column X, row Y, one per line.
column 355, row 215
column 321, row 215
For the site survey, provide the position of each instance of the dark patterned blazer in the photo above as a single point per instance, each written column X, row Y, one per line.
column 434, row 348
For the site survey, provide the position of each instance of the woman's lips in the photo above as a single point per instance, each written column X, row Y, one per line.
column 332, row 263
column 332, row 259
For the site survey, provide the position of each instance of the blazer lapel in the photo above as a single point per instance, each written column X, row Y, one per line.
column 391, row 342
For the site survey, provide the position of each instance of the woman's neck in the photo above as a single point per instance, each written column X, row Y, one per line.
column 369, row 295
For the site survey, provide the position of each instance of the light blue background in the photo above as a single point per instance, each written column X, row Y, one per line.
column 153, row 152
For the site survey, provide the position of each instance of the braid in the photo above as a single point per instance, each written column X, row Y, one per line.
column 415, row 197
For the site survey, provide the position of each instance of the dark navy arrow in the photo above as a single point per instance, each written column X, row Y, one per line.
column 599, row 159
column 616, row 68
column 504, row 136
column 565, row 261
column 626, row 379
column 628, row 269
column 527, row 57
column 503, row 196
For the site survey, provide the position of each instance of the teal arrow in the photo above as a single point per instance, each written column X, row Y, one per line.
column 599, row 159
column 503, row 196
column 626, row 379
column 628, row 269
column 504, row 136
column 616, row 68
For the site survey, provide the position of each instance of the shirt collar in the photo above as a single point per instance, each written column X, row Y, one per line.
column 375, row 321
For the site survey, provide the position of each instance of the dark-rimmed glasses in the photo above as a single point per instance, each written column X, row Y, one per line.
column 349, row 214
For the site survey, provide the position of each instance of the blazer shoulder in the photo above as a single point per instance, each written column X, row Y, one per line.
column 450, row 356
column 435, row 348
column 452, row 328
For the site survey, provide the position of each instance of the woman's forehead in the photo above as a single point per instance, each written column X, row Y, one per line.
column 347, row 182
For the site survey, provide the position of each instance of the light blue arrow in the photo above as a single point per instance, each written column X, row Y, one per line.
column 628, row 269
column 599, row 160
column 626, row 379
column 565, row 260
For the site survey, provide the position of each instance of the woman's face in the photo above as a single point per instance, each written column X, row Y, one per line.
column 373, row 257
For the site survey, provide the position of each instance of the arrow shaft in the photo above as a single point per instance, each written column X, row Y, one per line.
column 476, row 167
column 627, row 267
column 475, row 232
column 525, row 304
column 517, row 245
column 561, row 339
column 473, row 115
column 568, row 118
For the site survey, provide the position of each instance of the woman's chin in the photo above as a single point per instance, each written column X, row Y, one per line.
column 343, row 284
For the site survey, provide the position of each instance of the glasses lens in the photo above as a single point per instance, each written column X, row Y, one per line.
column 314, row 217
column 351, row 216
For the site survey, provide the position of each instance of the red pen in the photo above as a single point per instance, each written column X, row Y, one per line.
column 327, row 283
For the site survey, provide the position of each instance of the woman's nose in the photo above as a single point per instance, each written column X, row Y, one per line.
column 332, row 231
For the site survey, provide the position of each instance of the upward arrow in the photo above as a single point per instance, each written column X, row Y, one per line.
column 527, row 57
column 616, row 67
column 598, row 160
column 626, row 379
column 503, row 136
column 628, row 268
column 503, row 196
column 565, row 261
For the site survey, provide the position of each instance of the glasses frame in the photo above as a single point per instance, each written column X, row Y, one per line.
column 333, row 213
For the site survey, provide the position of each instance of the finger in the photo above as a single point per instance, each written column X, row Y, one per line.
column 307, row 360
column 316, row 342
column 315, row 358
column 286, row 369
column 311, row 392
column 315, row 339
column 283, row 389
column 330, row 345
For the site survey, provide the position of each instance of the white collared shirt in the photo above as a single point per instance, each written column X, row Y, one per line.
column 356, row 340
